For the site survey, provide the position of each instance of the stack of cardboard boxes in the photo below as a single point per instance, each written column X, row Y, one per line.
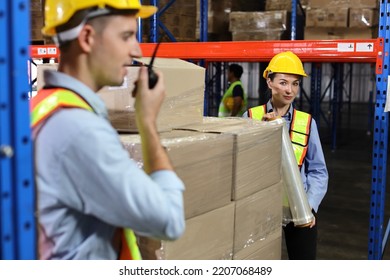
column 233, row 189
column 218, row 20
column 178, row 17
column 257, row 26
column 233, row 199
column 341, row 19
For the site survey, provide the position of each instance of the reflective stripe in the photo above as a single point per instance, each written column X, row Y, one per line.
column 46, row 103
column 257, row 113
column 299, row 134
column 301, row 139
column 129, row 250
column 301, row 122
column 51, row 100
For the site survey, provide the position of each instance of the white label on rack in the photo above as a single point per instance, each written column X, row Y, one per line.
column 41, row 51
column 346, row 47
column 51, row 50
column 365, row 47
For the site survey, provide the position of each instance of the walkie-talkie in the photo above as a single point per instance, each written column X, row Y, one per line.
column 153, row 78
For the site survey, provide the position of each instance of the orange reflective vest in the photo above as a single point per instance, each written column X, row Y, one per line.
column 45, row 104
column 299, row 130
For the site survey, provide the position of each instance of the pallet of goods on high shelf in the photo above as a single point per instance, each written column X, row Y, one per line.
column 343, row 3
column 350, row 20
column 217, row 19
column 247, row 26
column 275, row 5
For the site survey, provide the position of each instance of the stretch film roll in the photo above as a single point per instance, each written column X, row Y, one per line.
column 300, row 211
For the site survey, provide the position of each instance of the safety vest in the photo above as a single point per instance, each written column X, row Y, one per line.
column 44, row 105
column 299, row 130
column 223, row 110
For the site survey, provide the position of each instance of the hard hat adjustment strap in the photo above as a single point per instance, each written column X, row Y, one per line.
column 71, row 34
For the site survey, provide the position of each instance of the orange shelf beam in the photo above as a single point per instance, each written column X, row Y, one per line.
column 369, row 50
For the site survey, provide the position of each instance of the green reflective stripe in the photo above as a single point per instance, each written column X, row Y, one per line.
column 257, row 113
column 299, row 138
column 298, row 151
column 58, row 98
column 299, row 134
column 301, row 122
column 131, row 241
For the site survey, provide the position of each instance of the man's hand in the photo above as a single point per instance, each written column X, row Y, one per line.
column 148, row 101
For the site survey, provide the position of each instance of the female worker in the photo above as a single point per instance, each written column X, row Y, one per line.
column 283, row 76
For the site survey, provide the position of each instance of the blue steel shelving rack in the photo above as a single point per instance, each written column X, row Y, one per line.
column 17, row 202
column 377, row 238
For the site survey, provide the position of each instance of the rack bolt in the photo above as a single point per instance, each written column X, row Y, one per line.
column 6, row 151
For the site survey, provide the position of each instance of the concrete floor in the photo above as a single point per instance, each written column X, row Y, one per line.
column 343, row 217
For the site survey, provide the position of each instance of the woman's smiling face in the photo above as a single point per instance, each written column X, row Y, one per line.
column 284, row 88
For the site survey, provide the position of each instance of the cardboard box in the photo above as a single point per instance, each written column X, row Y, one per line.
column 36, row 23
column 327, row 17
column 359, row 17
column 270, row 249
column 217, row 17
column 257, row 217
column 343, row 3
column 272, row 5
column 184, row 83
column 36, row 5
column 204, row 162
column 207, row 237
column 331, row 33
column 257, row 151
column 257, row 21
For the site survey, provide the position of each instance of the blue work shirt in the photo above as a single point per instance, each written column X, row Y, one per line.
column 88, row 186
column 314, row 173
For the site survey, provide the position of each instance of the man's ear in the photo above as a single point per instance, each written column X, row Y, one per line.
column 86, row 38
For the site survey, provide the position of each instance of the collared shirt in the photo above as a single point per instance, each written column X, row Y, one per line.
column 314, row 173
column 88, row 186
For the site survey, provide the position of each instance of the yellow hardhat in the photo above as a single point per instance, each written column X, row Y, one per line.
column 229, row 103
column 58, row 12
column 285, row 62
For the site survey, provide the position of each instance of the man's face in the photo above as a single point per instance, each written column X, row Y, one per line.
column 115, row 47
column 284, row 88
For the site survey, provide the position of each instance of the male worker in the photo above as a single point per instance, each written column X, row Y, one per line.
column 234, row 101
column 88, row 187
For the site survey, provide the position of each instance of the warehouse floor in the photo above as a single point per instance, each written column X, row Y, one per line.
column 343, row 217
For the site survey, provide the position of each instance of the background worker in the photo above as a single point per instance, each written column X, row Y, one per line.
column 88, row 187
column 283, row 76
column 234, row 101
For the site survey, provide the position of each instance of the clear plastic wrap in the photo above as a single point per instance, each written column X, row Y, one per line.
column 274, row 5
column 207, row 237
column 257, row 151
column 257, row 21
column 327, row 17
column 204, row 161
column 299, row 206
column 360, row 17
column 258, row 221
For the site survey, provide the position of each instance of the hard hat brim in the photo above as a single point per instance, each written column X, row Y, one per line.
column 146, row 11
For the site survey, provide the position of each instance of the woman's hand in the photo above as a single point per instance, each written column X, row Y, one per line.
column 269, row 116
